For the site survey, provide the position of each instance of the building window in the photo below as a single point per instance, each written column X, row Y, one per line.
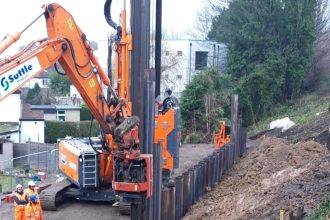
column 44, row 82
column 179, row 53
column 179, row 76
column 61, row 116
column 201, row 60
column 1, row 148
column 167, row 53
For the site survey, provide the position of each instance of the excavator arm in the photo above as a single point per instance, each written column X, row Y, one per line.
column 29, row 63
column 120, row 161
column 68, row 45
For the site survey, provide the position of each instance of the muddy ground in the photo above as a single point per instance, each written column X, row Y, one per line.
column 272, row 176
column 190, row 155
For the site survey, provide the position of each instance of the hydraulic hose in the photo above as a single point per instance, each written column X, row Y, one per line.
column 107, row 14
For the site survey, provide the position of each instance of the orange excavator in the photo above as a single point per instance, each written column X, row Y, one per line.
column 99, row 171
column 221, row 138
column 168, row 134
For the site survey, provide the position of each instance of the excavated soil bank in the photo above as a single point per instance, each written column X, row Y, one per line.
column 272, row 176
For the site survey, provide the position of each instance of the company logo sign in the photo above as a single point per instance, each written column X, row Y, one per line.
column 14, row 78
column 18, row 76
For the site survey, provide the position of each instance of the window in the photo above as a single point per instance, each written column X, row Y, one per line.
column 1, row 148
column 179, row 53
column 44, row 82
column 61, row 116
column 179, row 76
column 167, row 53
column 201, row 60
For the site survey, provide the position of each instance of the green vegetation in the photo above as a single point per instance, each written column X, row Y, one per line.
column 33, row 96
column 300, row 111
column 60, row 84
column 85, row 114
column 270, row 48
column 56, row 129
column 205, row 102
column 323, row 213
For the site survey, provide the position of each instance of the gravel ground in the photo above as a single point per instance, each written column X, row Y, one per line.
column 190, row 154
column 73, row 210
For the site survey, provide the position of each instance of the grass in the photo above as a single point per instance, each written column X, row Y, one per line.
column 301, row 111
column 323, row 213
column 8, row 183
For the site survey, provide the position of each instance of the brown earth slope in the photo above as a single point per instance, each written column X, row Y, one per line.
column 272, row 176
column 316, row 129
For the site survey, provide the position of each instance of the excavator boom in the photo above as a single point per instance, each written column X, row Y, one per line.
column 118, row 161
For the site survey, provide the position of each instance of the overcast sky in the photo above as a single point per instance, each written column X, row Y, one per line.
column 178, row 16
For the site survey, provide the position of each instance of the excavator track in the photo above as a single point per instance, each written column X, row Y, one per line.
column 52, row 197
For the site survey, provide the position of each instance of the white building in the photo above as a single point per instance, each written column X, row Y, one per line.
column 17, row 123
column 11, row 108
column 42, row 80
column 183, row 59
column 32, row 125
column 58, row 112
column 6, row 154
column 9, row 117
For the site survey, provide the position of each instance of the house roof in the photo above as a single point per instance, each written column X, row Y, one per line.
column 29, row 114
column 4, row 140
column 42, row 107
column 8, row 127
column 44, row 75
column 53, row 108
column 67, row 107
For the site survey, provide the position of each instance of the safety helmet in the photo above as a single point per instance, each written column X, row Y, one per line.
column 168, row 91
column 33, row 198
column 18, row 186
column 31, row 183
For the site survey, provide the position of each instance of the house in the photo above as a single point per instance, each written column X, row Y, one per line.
column 11, row 108
column 59, row 112
column 183, row 59
column 9, row 117
column 42, row 80
column 32, row 125
column 6, row 154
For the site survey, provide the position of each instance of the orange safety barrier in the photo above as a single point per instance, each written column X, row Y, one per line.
column 9, row 198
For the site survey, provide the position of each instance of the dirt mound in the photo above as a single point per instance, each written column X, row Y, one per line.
column 272, row 176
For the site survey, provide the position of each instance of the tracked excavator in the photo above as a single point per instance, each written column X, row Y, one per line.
column 99, row 171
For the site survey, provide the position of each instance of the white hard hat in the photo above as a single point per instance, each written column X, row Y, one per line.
column 19, row 186
column 31, row 183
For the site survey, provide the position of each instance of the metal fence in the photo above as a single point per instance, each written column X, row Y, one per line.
column 42, row 157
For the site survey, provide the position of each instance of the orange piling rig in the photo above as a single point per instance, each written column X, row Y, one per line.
column 220, row 138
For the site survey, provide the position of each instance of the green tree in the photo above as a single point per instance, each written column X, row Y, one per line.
column 270, row 48
column 204, row 102
column 85, row 114
column 33, row 96
column 60, row 84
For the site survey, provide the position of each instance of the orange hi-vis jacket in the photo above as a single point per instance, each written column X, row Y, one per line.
column 30, row 192
column 20, row 202
column 33, row 211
